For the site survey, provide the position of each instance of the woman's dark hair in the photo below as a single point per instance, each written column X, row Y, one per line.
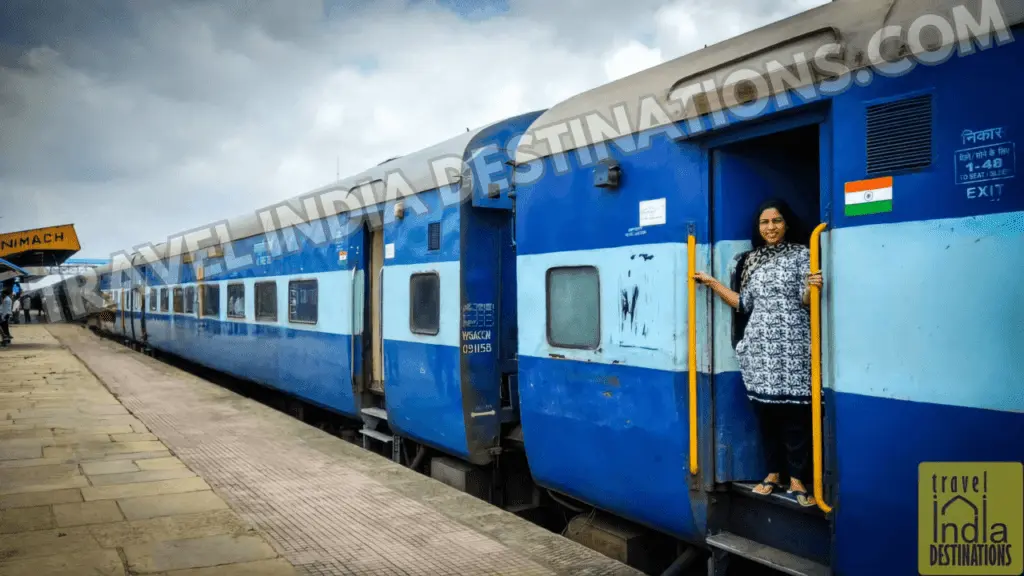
column 795, row 230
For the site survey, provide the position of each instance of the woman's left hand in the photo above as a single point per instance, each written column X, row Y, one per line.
column 814, row 280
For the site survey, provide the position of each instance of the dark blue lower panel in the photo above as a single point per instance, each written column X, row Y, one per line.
column 310, row 365
column 880, row 443
column 614, row 436
column 424, row 394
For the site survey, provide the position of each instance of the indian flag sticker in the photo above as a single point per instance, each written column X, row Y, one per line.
column 869, row 196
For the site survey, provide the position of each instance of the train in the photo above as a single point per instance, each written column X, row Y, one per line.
column 533, row 293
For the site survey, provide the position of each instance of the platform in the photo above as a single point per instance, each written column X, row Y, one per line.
column 174, row 475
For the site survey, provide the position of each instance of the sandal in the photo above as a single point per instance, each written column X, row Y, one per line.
column 772, row 487
column 803, row 499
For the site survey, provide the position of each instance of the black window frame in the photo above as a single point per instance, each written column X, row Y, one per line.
column 257, row 300
column 178, row 296
column 204, row 290
column 230, row 311
column 190, row 300
column 154, row 299
column 412, row 300
column 163, row 300
column 291, row 310
column 547, row 306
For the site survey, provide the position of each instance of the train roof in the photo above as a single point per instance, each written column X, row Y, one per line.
column 848, row 23
column 429, row 168
column 420, row 171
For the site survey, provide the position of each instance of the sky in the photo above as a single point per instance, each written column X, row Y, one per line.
column 138, row 120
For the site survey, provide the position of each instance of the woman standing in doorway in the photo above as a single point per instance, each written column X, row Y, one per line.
column 775, row 351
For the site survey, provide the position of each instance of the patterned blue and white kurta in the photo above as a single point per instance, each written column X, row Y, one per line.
column 775, row 352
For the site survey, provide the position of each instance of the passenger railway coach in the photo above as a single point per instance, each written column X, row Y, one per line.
column 552, row 305
column 631, row 397
column 349, row 296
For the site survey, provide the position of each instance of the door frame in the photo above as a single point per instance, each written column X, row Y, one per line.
column 124, row 300
column 820, row 115
column 358, row 260
column 373, row 328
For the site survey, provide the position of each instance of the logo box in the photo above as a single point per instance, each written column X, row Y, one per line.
column 971, row 518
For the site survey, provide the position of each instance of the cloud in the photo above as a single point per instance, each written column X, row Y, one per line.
column 136, row 120
column 631, row 58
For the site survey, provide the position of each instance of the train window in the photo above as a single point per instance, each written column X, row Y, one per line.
column 211, row 299
column 236, row 300
column 152, row 299
column 179, row 300
column 302, row 301
column 425, row 303
column 163, row 299
column 190, row 300
column 573, row 307
column 434, row 236
column 266, row 301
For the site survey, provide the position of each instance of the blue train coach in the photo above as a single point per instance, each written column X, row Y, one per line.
column 388, row 297
column 631, row 396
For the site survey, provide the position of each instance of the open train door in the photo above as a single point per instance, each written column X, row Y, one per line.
column 123, row 294
column 143, row 299
column 746, row 167
column 367, row 247
column 133, row 306
column 354, row 253
column 376, row 301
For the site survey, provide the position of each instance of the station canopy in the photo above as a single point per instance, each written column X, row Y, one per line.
column 34, row 254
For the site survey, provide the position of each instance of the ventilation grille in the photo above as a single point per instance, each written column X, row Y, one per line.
column 900, row 135
column 434, row 236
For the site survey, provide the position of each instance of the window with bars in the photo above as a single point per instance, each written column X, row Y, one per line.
column 266, row 301
column 302, row 301
column 425, row 303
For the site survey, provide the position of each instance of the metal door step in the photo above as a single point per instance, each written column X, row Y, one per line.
column 377, row 435
column 779, row 498
column 378, row 413
column 766, row 555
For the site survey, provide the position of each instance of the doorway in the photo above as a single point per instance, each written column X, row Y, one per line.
column 376, row 266
column 142, row 311
column 744, row 173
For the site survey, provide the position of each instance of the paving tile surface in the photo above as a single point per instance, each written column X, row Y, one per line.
column 69, row 461
column 323, row 505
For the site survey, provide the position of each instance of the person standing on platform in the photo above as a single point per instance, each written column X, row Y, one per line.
column 26, row 306
column 6, row 305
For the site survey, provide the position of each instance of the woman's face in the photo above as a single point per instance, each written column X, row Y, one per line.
column 772, row 226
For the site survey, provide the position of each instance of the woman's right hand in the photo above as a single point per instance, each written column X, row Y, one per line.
column 703, row 278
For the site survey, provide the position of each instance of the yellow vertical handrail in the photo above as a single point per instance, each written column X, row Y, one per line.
column 691, row 253
column 816, row 371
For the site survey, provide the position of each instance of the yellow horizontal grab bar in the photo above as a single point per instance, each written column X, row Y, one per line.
column 816, row 371
column 691, row 293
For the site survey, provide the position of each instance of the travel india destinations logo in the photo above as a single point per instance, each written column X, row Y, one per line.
column 971, row 518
